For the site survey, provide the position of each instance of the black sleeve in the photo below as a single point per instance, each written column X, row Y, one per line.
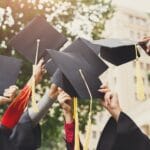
column 26, row 136
column 123, row 135
column 129, row 136
column 108, row 136
column 4, row 138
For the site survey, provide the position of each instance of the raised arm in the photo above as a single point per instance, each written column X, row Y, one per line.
column 16, row 108
column 121, row 130
column 66, row 103
column 44, row 104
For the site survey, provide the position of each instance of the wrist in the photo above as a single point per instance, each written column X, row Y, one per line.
column 116, row 113
column 68, row 116
column 31, row 80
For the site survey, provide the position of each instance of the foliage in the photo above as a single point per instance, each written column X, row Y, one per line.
column 73, row 18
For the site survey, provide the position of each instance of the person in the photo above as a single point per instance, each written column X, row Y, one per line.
column 27, row 133
column 16, row 108
column 145, row 43
column 119, row 133
column 65, row 102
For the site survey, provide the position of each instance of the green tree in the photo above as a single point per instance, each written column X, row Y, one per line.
column 71, row 17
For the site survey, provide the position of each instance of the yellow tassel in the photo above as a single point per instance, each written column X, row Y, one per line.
column 77, row 144
column 34, row 105
column 88, row 133
column 139, row 80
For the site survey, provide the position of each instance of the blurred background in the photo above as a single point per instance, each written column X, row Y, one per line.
column 91, row 19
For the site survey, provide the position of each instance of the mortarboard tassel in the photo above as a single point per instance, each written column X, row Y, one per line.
column 89, row 124
column 139, row 80
column 88, row 134
column 76, row 145
column 34, row 105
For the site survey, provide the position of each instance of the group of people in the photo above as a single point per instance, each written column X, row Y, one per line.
column 20, row 130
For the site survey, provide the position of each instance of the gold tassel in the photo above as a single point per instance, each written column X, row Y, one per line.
column 139, row 80
column 34, row 105
column 77, row 144
column 89, row 124
column 88, row 134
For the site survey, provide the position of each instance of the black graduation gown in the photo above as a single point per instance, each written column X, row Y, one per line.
column 5, row 144
column 123, row 135
column 24, row 136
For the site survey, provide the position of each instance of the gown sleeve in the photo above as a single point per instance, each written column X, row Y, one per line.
column 69, row 135
column 123, row 135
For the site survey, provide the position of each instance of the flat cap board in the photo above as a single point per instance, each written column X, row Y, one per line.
column 25, row 42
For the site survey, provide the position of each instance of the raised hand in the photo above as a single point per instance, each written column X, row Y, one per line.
column 9, row 94
column 65, row 101
column 110, row 102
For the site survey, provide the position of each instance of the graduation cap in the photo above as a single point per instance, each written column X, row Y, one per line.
column 117, row 51
column 60, row 79
column 79, row 56
column 92, row 46
column 9, row 70
column 25, row 42
column 52, row 67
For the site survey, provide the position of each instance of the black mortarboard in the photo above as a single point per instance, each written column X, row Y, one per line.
column 59, row 79
column 52, row 67
column 92, row 46
column 25, row 41
column 80, row 56
column 117, row 51
column 9, row 70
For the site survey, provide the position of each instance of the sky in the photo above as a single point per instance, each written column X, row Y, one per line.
column 140, row 5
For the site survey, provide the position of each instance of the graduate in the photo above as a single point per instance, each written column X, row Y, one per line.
column 120, row 132
column 32, row 42
column 16, row 108
column 26, row 135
